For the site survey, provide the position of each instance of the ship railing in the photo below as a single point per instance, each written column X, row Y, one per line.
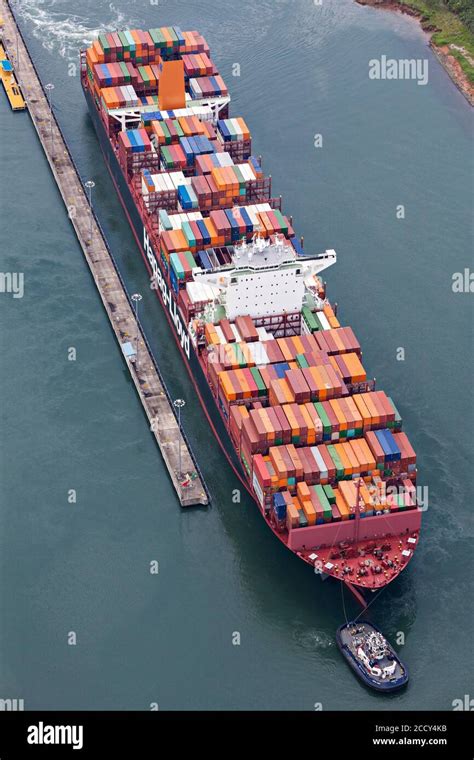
column 112, row 258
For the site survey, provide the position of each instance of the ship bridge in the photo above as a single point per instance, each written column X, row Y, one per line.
column 265, row 278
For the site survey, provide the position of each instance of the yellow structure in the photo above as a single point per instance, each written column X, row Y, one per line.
column 10, row 85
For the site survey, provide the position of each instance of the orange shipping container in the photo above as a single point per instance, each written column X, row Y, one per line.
column 295, row 430
column 364, row 446
column 354, row 460
column 338, row 411
column 310, row 423
column 228, row 388
column 337, row 340
column 360, row 454
column 268, row 425
column 309, row 511
column 356, row 415
column 317, row 424
column 364, row 412
column 211, row 334
column 340, row 449
column 296, row 460
column 292, row 517
column 303, row 492
column 374, row 412
column 354, row 365
column 299, row 348
column 278, row 465
column 341, row 505
column 246, row 390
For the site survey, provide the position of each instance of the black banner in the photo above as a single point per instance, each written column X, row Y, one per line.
column 143, row 734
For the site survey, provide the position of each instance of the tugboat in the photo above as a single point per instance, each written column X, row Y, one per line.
column 371, row 656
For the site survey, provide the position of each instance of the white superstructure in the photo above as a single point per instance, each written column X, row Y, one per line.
column 264, row 278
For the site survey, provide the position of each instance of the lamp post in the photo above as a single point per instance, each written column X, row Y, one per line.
column 90, row 184
column 136, row 298
column 178, row 404
column 49, row 88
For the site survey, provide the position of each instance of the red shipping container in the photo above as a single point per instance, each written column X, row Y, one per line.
column 284, row 426
column 328, row 461
column 273, row 351
column 224, row 324
column 298, row 385
column 375, row 447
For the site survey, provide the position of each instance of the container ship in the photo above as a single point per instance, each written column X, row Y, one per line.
column 320, row 449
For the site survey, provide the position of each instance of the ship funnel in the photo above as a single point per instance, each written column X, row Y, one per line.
column 171, row 93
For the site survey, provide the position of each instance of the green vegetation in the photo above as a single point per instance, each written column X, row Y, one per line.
column 453, row 22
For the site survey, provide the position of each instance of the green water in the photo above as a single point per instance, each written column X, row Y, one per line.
column 85, row 566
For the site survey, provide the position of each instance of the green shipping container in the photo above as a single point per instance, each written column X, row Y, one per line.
column 282, row 222
column 104, row 43
column 126, row 74
column 302, row 519
column 175, row 41
column 323, row 417
column 190, row 259
column 330, row 495
column 318, row 321
column 178, row 128
column 166, row 132
column 189, row 234
column 337, row 461
column 165, row 220
column 308, row 317
column 239, row 356
column 157, row 38
column 262, row 390
column 323, row 500
column 177, row 266
column 398, row 419
column 144, row 74
column 301, row 360
column 124, row 40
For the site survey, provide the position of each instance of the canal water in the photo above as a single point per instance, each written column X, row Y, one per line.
column 231, row 620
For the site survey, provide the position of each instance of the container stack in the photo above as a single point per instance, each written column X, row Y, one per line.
column 181, row 269
column 123, row 96
column 136, row 151
column 172, row 157
column 146, row 47
column 201, row 88
column 163, row 190
column 198, row 65
column 235, row 136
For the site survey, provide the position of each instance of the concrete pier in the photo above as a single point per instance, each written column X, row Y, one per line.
column 188, row 483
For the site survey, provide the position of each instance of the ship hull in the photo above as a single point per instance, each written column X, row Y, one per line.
column 198, row 377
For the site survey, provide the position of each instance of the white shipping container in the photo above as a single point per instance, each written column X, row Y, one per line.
column 195, row 88
column 237, row 335
column 177, row 178
column 324, row 321
column 253, row 216
column 237, row 129
column 320, row 462
column 225, row 159
column 258, row 353
column 247, row 172
column 220, row 335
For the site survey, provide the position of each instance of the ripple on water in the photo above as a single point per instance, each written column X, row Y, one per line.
column 63, row 32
